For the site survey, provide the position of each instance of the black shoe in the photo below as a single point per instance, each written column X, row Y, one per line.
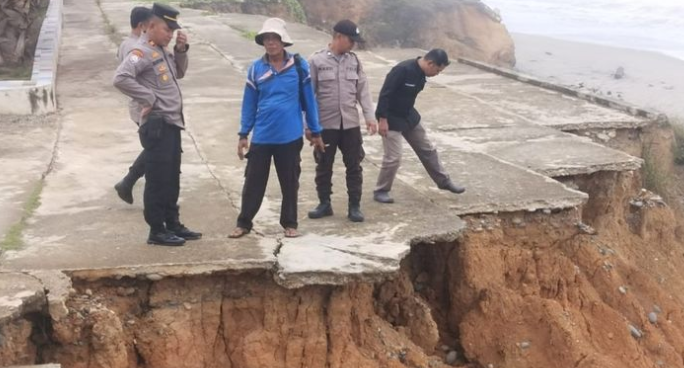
column 354, row 214
column 183, row 232
column 322, row 210
column 450, row 186
column 165, row 238
column 125, row 191
column 382, row 197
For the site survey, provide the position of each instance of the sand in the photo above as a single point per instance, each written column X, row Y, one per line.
column 651, row 80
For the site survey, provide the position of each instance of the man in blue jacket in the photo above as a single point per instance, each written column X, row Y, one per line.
column 278, row 88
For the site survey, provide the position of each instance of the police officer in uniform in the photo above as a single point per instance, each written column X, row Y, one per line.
column 140, row 16
column 340, row 84
column 149, row 75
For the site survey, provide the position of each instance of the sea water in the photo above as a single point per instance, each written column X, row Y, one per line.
column 653, row 25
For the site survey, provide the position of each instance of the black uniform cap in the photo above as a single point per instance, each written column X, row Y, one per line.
column 348, row 28
column 168, row 14
column 139, row 14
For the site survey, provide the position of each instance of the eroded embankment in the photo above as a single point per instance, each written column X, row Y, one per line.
column 533, row 289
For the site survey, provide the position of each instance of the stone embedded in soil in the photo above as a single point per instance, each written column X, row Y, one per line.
column 657, row 309
column 525, row 345
column 623, row 290
column 122, row 291
column 451, row 357
column 635, row 332
column 586, row 228
column 154, row 277
column 653, row 317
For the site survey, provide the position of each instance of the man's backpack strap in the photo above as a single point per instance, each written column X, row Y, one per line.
column 302, row 76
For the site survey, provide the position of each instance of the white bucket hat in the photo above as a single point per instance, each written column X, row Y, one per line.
column 277, row 26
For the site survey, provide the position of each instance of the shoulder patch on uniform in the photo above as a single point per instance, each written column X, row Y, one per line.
column 135, row 55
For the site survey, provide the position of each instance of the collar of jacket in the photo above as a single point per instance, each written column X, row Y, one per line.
column 331, row 54
column 416, row 65
column 286, row 55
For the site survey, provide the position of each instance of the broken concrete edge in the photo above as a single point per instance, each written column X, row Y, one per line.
column 528, row 206
column 58, row 287
column 289, row 281
column 599, row 100
column 13, row 307
column 633, row 164
column 37, row 96
column 295, row 280
column 299, row 280
column 615, row 125
column 156, row 272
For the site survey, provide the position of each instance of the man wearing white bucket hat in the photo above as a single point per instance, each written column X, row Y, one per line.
column 278, row 89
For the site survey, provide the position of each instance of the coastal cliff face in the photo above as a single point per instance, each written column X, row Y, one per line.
column 462, row 27
column 465, row 28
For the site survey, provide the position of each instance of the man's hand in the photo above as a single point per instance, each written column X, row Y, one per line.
column 181, row 41
column 317, row 143
column 371, row 126
column 383, row 127
column 242, row 148
column 146, row 111
column 307, row 134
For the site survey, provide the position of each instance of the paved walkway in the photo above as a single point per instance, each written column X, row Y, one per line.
column 494, row 135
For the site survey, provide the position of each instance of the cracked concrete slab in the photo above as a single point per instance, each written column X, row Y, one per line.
column 19, row 294
column 82, row 227
column 25, row 155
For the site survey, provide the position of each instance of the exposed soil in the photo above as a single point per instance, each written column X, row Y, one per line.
column 518, row 290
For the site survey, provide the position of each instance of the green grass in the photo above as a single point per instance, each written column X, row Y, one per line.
column 250, row 35
column 110, row 29
column 244, row 33
column 14, row 238
column 677, row 125
column 655, row 177
column 22, row 72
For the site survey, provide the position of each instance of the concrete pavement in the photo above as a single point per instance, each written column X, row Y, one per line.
column 494, row 135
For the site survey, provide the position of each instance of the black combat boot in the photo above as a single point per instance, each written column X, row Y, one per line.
column 323, row 209
column 124, row 189
column 165, row 238
column 181, row 231
column 354, row 214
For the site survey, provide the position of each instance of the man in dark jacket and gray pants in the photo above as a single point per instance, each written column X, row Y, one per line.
column 397, row 117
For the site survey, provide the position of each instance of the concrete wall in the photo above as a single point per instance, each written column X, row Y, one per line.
column 37, row 96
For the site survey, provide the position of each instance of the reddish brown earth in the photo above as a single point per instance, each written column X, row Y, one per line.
column 463, row 28
column 518, row 290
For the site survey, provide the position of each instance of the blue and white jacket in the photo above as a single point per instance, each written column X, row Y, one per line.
column 271, row 106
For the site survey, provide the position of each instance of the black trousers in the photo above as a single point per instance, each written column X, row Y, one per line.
column 162, row 157
column 137, row 170
column 287, row 160
column 350, row 142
